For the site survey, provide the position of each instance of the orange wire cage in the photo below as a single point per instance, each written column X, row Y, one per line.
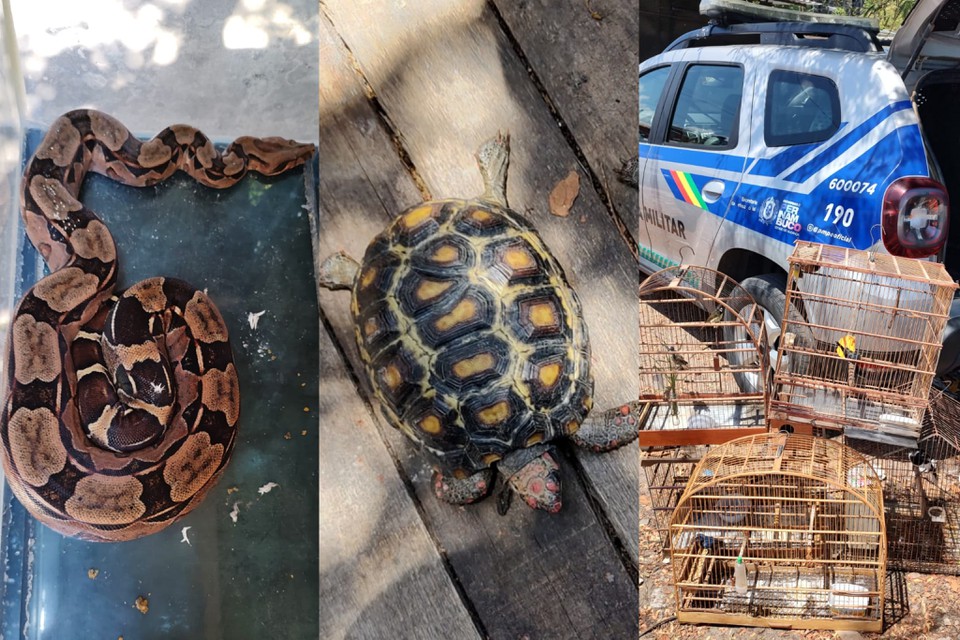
column 805, row 517
column 703, row 359
column 860, row 342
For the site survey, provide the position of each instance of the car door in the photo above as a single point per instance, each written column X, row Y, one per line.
column 692, row 161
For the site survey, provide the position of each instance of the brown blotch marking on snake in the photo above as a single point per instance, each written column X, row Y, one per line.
column 150, row 294
column 53, row 198
column 206, row 154
column 111, row 500
column 189, row 469
column 108, row 131
column 35, row 444
column 94, row 241
column 154, row 153
column 204, row 319
column 128, row 355
column 64, row 142
column 184, row 133
column 232, row 164
column 36, row 350
column 221, row 392
column 65, row 289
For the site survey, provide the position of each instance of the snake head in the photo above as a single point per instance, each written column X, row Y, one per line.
column 272, row 156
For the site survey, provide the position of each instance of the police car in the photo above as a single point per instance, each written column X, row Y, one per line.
column 754, row 135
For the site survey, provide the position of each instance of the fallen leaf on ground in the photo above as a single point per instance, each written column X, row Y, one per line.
column 564, row 193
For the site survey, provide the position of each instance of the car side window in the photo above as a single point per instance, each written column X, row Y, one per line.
column 801, row 108
column 707, row 112
column 651, row 86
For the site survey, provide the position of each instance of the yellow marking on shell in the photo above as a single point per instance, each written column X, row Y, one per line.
column 204, row 319
column 367, row 277
column 480, row 215
column 35, row 445
column 154, row 153
column 94, row 241
column 490, row 458
column 108, row 131
column 189, row 469
column 465, row 311
column 415, row 217
column 53, row 198
column 430, row 289
column 65, row 289
column 445, row 253
column 391, row 377
column 571, row 427
column 542, row 314
column 36, row 350
column 431, row 424
column 471, row 366
column 549, row 374
column 518, row 259
column 98, row 429
column 370, row 327
column 106, row 500
column 221, row 392
column 61, row 143
column 534, row 439
column 494, row 414
column 150, row 294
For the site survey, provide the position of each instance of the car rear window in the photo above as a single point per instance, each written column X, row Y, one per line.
column 708, row 106
column 801, row 108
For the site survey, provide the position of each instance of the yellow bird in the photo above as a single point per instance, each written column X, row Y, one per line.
column 847, row 347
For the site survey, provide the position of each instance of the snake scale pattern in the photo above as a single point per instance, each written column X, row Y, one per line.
column 119, row 412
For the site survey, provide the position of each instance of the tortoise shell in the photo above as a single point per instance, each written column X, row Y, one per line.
column 473, row 341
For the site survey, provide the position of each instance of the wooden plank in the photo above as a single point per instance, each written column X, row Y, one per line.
column 446, row 75
column 586, row 56
column 529, row 572
column 375, row 553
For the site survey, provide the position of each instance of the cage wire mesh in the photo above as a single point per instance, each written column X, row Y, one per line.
column 703, row 358
column 805, row 514
column 667, row 470
column 860, row 342
column 921, row 489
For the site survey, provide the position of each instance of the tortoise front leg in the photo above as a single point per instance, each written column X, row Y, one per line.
column 462, row 490
column 611, row 429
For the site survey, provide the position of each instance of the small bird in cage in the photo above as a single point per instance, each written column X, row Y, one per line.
column 716, row 316
column 679, row 361
column 847, row 347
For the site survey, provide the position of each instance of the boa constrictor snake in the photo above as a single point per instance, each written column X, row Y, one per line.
column 120, row 413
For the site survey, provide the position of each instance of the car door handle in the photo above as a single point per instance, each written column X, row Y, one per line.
column 712, row 191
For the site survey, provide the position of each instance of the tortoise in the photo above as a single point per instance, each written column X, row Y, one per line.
column 474, row 343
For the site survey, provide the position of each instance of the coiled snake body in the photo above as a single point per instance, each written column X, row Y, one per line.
column 119, row 413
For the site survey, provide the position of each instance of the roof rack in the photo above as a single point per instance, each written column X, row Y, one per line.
column 800, row 34
column 727, row 12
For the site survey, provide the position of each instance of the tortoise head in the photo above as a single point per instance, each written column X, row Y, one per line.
column 338, row 272
column 537, row 481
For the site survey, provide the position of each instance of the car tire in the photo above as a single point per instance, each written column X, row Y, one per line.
column 769, row 292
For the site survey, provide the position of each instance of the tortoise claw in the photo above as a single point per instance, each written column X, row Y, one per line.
column 611, row 429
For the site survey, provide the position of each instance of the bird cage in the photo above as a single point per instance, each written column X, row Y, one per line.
column 921, row 491
column 667, row 471
column 804, row 516
column 703, row 358
column 860, row 342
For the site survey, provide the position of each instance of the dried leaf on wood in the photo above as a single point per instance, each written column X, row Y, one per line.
column 564, row 194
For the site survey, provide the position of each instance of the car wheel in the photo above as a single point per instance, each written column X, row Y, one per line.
column 768, row 292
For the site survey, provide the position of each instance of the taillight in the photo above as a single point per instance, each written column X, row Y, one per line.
column 915, row 217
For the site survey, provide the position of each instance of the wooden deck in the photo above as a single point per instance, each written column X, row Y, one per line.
column 408, row 90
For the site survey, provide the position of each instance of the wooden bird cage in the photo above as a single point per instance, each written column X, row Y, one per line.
column 703, row 359
column 860, row 342
column 667, row 471
column 805, row 514
column 921, row 490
